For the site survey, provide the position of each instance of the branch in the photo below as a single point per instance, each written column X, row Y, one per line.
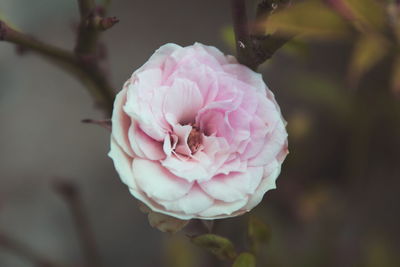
column 254, row 48
column 70, row 193
column 9, row 34
column 85, row 7
column 25, row 252
column 84, row 68
column 241, row 29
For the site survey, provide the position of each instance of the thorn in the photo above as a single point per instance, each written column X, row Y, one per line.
column 107, row 23
column 103, row 123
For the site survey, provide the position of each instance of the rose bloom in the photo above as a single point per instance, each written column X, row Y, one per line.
column 195, row 134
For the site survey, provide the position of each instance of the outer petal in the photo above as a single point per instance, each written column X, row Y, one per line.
column 222, row 209
column 122, row 163
column 247, row 76
column 217, row 54
column 157, row 182
column 192, row 203
column 271, row 173
column 160, row 55
column 121, row 122
column 143, row 93
column 274, row 143
column 234, row 186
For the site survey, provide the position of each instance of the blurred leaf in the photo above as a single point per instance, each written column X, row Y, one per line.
column 178, row 253
column 296, row 47
column 368, row 51
column 229, row 37
column 310, row 18
column 320, row 91
column 378, row 252
column 218, row 245
column 299, row 125
column 259, row 233
column 163, row 222
column 366, row 12
column 245, row 260
column 395, row 83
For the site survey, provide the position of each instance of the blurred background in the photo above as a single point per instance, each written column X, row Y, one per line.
column 337, row 201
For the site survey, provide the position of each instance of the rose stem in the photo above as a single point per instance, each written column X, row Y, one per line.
column 25, row 252
column 70, row 193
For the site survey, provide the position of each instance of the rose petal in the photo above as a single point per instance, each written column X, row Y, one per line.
column 183, row 101
column 271, row 173
column 121, row 122
column 274, row 143
column 122, row 163
column 193, row 202
column 158, row 182
column 222, row 209
column 234, row 186
column 143, row 145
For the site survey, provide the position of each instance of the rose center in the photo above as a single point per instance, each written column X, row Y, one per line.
column 194, row 140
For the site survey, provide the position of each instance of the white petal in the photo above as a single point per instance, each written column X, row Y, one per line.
column 121, row 121
column 122, row 163
column 271, row 173
column 183, row 100
column 234, row 186
column 193, row 202
column 274, row 143
column 224, row 209
column 158, row 182
column 143, row 145
column 246, row 75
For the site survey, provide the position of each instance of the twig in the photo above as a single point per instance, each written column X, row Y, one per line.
column 103, row 123
column 25, row 252
column 70, row 194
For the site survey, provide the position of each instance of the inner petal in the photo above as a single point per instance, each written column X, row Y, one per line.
column 182, row 102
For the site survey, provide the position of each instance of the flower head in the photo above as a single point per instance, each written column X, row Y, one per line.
column 196, row 134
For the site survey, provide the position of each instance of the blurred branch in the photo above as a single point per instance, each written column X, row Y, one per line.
column 254, row 47
column 13, row 36
column 87, row 34
column 26, row 252
column 84, row 62
column 70, row 193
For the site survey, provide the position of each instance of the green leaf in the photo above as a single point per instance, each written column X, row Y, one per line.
column 259, row 233
column 367, row 12
column 395, row 80
column 179, row 253
column 218, row 245
column 229, row 37
column 245, row 260
column 368, row 51
column 309, row 18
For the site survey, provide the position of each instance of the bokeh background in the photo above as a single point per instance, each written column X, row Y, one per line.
column 337, row 202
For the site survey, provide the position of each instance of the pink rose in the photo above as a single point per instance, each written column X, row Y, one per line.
column 196, row 134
